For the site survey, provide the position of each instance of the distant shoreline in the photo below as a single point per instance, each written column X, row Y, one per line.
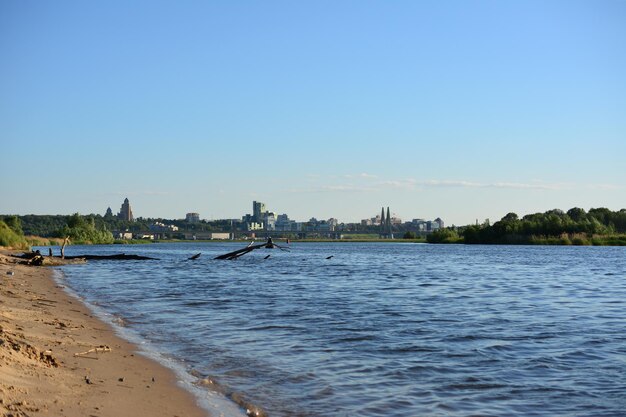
column 610, row 240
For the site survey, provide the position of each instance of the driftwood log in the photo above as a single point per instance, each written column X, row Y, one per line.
column 240, row 252
column 36, row 260
column 65, row 242
column 117, row 257
column 33, row 257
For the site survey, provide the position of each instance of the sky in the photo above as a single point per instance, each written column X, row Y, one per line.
column 464, row 110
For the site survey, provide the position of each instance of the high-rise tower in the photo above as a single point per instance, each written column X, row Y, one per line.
column 258, row 211
column 125, row 212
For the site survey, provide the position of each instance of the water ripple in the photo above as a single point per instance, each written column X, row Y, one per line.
column 384, row 329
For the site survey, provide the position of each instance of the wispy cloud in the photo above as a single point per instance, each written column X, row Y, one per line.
column 336, row 188
column 141, row 193
column 530, row 186
column 409, row 184
column 362, row 175
column 605, row 186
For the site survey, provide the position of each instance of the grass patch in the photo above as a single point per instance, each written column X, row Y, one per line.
column 43, row 241
column 132, row 241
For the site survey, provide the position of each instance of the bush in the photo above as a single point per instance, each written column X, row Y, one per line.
column 81, row 230
column 579, row 239
column 444, row 236
column 10, row 239
column 14, row 223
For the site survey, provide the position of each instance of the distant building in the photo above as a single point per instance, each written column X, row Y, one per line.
column 419, row 224
column 258, row 211
column 250, row 226
column 144, row 236
column 433, row 225
column 269, row 221
column 285, row 224
column 163, row 228
column 260, row 219
column 221, row 236
column 192, row 218
column 207, row 235
column 385, row 228
column 108, row 214
column 123, row 235
column 125, row 212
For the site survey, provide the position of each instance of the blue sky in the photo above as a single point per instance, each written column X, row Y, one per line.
column 462, row 110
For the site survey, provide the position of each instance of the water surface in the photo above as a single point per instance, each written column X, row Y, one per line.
column 382, row 329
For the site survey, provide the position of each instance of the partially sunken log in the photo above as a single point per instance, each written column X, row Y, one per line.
column 35, row 258
column 28, row 255
column 240, row 252
column 118, row 257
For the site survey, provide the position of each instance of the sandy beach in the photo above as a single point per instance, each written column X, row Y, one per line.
column 57, row 359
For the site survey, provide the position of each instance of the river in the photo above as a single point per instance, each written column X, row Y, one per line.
column 378, row 329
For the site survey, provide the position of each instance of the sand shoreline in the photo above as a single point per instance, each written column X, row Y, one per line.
column 57, row 359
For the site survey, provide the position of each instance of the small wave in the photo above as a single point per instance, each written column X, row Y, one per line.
column 577, row 355
column 196, row 303
column 120, row 321
column 409, row 349
column 480, row 386
column 212, row 384
column 499, row 348
column 271, row 327
column 467, row 338
column 352, row 339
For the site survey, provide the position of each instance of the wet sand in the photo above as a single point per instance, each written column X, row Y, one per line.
column 57, row 359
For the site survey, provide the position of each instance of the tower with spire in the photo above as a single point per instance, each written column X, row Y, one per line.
column 385, row 224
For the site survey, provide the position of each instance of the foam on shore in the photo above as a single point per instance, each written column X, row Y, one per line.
column 210, row 399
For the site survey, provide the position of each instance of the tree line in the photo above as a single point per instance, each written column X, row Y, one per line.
column 80, row 229
column 598, row 226
column 95, row 228
column 576, row 226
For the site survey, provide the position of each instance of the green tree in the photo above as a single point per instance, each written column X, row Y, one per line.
column 443, row 236
column 577, row 214
column 81, row 229
column 603, row 215
column 14, row 223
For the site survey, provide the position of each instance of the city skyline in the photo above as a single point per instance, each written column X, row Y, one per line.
column 259, row 214
column 458, row 110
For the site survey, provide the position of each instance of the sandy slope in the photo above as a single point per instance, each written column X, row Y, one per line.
column 56, row 359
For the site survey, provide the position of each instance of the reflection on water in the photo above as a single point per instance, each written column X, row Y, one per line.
column 382, row 329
